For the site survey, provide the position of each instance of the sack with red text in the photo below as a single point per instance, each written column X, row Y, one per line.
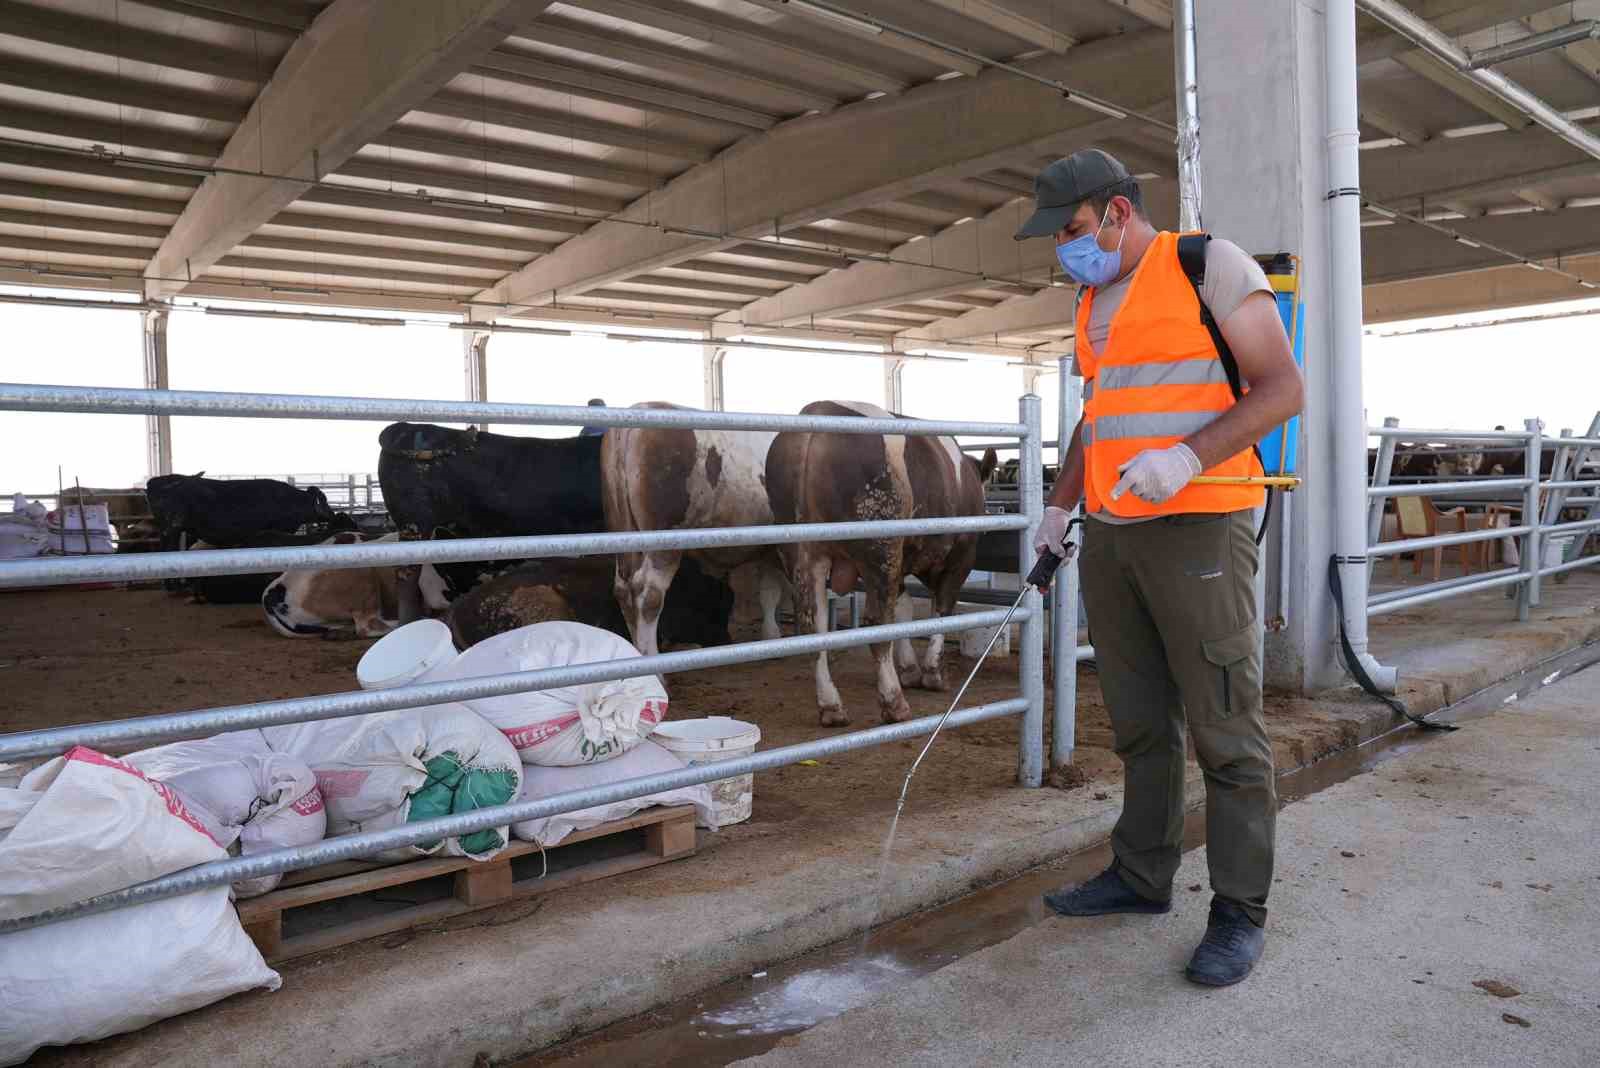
column 567, row 725
column 86, row 824
column 251, row 799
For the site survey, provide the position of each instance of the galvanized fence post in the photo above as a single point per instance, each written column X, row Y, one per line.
column 1030, row 490
column 1528, row 595
column 1064, row 596
column 1382, row 472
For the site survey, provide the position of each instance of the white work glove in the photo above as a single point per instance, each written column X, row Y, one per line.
column 1052, row 532
column 1156, row 475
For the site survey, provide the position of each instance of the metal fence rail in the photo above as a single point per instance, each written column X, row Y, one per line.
column 149, row 566
column 1542, row 501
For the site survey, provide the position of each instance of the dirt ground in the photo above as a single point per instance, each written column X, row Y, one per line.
column 77, row 656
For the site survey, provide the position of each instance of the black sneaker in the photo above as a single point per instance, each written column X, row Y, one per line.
column 1231, row 947
column 1103, row 895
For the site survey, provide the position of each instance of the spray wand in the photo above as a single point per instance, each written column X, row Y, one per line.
column 1044, row 570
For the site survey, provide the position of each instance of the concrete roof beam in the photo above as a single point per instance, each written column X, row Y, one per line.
column 359, row 68
column 790, row 177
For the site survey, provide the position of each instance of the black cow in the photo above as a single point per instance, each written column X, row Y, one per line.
column 580, row 588
column 226, row 511
column 486, row 485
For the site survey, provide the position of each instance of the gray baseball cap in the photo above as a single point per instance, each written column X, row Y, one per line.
column 1066, row 183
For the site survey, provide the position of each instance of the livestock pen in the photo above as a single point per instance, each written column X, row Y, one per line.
column 1029, row 705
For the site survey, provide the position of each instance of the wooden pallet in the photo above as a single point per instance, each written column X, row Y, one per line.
column 301, row 900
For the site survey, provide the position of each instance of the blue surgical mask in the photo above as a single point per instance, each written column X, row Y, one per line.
column 1086, row 262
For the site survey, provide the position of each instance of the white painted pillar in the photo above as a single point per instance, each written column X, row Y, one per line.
column 475, row 359
column 894, row 396
column 1264, row 179
column 158, row 428
column 714, row 358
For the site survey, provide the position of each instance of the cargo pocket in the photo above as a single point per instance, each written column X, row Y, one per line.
column 1230, row 657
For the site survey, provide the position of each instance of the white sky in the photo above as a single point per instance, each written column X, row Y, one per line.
column 1462, row 378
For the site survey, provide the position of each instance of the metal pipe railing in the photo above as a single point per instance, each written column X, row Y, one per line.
column 350, row 847
column 1030, row 658
column 1445, row 541
column 1446, row 584
column 1428, row 596
column 1428, row 489
column 147, row 567
column 120, row 733
column 1541, row 502
column 1458, row 436
column 105, row 400
column 1064, row 599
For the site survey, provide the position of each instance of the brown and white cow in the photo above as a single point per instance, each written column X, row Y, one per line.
column 667, row 479
column 358, row 602
column 838, row 478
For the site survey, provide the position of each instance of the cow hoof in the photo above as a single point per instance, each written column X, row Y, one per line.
column 833, row 716
column 896, row 711
column 933, row 680
column 911, row 676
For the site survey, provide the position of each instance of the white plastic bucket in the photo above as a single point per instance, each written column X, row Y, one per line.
column 1555, row 549
column 707, row 741
column 406, row 655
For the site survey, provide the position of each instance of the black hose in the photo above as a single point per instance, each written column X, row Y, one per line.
column 1266, row 517
column 1354, row 665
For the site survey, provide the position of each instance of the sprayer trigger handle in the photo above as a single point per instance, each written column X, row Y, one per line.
column 1044, row 569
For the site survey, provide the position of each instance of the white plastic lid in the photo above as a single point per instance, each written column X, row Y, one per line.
column 406, row 655
column 712, row 732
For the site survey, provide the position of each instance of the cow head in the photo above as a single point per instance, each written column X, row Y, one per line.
column 320, row 510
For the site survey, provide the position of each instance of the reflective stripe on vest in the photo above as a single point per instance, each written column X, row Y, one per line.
column 1156, row 381
column 1151, row 425
column 1174, row 373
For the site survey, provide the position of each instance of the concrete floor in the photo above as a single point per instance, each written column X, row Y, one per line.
column 1467, row 859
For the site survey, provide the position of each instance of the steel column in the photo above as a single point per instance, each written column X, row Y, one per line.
column 158, row 428
column 1185, row 62
column 894, row 393
column 715, row 359
column 1030, row 486
column 475, row 354
column 1064, row 596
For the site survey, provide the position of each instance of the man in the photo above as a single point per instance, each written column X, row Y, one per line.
column 1168, row 565
column 593, row 431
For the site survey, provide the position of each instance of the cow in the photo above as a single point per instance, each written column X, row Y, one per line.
column 486, row 485
column 222, row 511
column 359, row 602
column 248, row 588
column 580, row 589
column 838, row 478
column 674, row 479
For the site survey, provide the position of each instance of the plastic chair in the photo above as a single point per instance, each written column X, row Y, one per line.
column 1420, row 519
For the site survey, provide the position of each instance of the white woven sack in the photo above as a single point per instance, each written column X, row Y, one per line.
column 252, row 799
column 647, row 758
column 368, row 767
column 568, row 725
column 95, row 824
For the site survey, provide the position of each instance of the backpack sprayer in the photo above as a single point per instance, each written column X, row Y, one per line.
column 1044, row 570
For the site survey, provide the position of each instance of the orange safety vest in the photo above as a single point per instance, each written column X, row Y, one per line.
column 1157, row 381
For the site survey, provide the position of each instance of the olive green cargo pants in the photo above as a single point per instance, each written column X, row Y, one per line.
column 1172, row 615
